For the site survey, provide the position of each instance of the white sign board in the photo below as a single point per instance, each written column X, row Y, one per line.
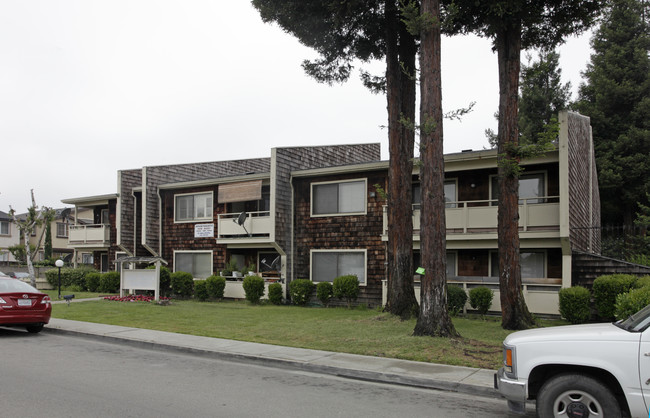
column 204, row 231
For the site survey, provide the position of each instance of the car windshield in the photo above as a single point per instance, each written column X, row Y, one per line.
column 637, row 322
column 13, row 285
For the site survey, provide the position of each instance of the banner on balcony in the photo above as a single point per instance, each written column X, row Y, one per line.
column 204, row 231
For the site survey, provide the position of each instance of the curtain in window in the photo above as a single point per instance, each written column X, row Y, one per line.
column 328, row 265
column 198, row 264
column 352, row 197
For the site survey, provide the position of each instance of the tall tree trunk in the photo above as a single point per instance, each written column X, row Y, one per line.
column 434, row 319
column 401, row 299
column 514, row 312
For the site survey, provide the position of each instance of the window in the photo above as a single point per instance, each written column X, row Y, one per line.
column 328, row 265
column 104, row 217
column 193, row 207
column 198, row 263
column 530, row 185
column 86, row 258
column 347, row 197
column 61, row 230
column 533, row 264
column 451, row 262
column 4, row 228
column 450, row 194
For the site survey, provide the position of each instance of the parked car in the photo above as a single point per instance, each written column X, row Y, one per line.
column 18, row 275
column 579, row 370
column 21, row 305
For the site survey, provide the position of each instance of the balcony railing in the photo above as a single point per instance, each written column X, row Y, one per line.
column 539, row 213
column 256, row 225
column 96, row 235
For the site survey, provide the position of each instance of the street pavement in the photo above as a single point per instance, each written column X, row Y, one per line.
column 368, row 368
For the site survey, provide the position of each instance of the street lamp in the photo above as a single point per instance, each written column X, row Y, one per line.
column 59, row 264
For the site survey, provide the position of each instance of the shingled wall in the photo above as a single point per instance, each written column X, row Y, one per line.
column 302, row 158
column 584, row 198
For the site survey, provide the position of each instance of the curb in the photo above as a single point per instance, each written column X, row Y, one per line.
column 283, row 363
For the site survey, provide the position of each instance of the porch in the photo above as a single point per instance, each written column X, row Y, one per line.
column 89, row 236
column 244, row 227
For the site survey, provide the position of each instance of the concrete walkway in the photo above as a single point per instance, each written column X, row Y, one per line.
column 376, row 369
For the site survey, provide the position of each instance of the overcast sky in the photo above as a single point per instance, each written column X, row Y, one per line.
column 90, row 87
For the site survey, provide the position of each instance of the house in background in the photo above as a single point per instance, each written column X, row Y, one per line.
column 59, row 227
column 315, row 212
column 9, row 236
column 92, row 238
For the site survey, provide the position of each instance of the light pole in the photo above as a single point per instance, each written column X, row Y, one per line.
column 59, row 264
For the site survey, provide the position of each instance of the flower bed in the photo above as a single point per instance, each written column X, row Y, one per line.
column 133, row 298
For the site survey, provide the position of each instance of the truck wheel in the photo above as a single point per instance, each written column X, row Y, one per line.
column 576, row 395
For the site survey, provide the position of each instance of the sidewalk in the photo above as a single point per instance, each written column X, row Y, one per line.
column 375, row 369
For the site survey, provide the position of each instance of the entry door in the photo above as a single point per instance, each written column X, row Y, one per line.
column 104, row 262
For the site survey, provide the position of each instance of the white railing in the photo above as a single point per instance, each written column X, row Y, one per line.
column 256, row 224
column 96, row 234
column 481, row 215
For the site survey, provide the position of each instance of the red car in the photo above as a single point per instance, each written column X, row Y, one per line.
column 21, row 305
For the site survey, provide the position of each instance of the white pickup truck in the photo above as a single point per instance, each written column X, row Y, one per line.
column 594, row 370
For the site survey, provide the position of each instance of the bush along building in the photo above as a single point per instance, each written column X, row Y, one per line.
column 316, row 213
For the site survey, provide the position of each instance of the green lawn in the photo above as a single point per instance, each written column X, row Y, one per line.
column 358, row 331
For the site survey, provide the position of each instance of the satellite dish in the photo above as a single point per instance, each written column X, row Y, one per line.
column 275, row 265
column 65, row 213
column 241, row 218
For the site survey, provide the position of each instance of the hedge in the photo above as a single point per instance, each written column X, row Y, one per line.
column 575, row 304
column 607, row 288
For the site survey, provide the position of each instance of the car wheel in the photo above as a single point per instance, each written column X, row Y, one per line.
column 576, row 395
column 34, row 328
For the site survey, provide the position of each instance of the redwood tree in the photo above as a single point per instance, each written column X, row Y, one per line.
column 434, row 319
column 342, row 32
column 513, row 26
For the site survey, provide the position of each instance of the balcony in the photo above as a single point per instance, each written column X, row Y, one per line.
column 480, row 216
column 89, row 236
column 256, row 227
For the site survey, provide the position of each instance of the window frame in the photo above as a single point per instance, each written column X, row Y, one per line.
column 65, row 229
column 210, row 252
column 452, row 203
column 530, row 200
column 362, row 251
column 337, row 182
column 8, row 226
column 494, row 253
column 194, row 218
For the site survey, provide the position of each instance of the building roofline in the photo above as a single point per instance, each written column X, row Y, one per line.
column 90, row 200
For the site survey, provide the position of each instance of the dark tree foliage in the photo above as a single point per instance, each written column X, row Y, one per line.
column 616, row 96
column 363, row 30
column 513, row 25
column 542, row 95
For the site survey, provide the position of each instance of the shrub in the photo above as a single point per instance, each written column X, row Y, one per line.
column 574, row 304
column 630, row 303
column 275, row 293
column 642, row 282
column 201, row 290
column 480, row 298
column 93, row 281
column 300, row 291
column 182, row 283
column 253, row 288
column 324, row 292
column 346, row 287
column 109, row 282
column 69, row 276
column 215, row 286
column 456, row 299
column 606, row 288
